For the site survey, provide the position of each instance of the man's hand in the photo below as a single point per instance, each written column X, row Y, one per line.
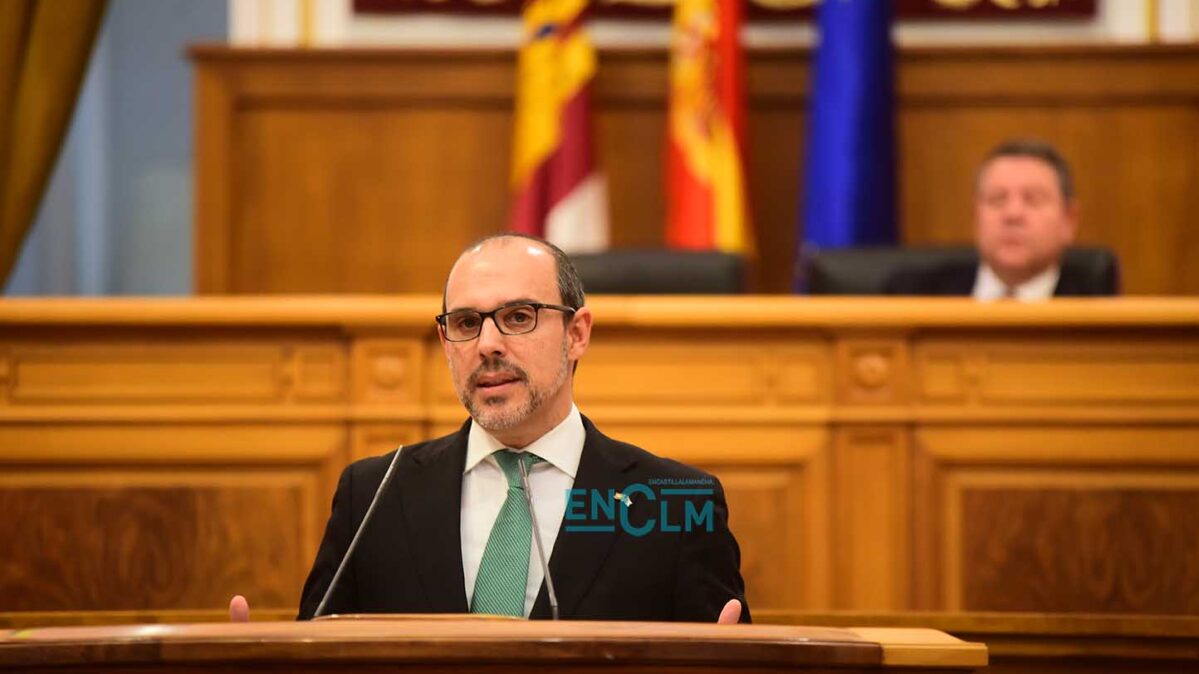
column 239, row 610
column 729, row 615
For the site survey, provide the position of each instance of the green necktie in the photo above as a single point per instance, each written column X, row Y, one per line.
column 504, row 569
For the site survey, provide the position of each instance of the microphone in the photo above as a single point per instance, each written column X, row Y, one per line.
column 545, row 565
column 320, row 608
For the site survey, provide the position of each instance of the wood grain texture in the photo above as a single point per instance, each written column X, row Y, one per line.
column 1043, row 518
column 149, row 547
column 1017, row 643
column 366, row 170
column 457, row 644
column 1030, row 643
column 1083, row 550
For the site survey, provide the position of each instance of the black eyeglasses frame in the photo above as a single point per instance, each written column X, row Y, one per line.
column 441, row 319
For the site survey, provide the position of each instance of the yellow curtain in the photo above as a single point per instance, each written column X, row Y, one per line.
column 44, row 49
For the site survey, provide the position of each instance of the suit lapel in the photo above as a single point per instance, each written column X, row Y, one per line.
column 578, row 555
column 431, row 494
column 1070, row 283
column 961, row 279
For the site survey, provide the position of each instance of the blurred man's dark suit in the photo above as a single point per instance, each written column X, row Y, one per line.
column 958, row 278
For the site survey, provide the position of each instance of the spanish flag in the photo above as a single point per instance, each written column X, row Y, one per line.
column 707, row 204
column 559, row 193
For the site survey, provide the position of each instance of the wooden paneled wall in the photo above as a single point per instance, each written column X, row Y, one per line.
column 367, row 170
column 883, row 455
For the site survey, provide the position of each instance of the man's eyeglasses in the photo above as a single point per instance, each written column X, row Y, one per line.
column 518, row 318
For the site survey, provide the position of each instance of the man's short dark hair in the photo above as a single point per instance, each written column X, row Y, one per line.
column 1035, row 149
column 570, row 286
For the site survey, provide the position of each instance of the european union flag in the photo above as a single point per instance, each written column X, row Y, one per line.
column 849, row 195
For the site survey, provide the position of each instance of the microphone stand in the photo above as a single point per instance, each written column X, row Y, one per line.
column 358, row 534
column 545, row 567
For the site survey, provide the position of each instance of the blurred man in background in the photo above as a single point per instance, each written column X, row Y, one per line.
column 1025, row 216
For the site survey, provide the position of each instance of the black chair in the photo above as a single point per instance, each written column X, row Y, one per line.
column 866, row 271
column 660, row 272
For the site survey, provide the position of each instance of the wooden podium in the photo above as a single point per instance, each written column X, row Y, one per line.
column 457, row 644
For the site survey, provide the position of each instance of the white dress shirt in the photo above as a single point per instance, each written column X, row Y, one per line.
column 484, row 489
column 988, row 287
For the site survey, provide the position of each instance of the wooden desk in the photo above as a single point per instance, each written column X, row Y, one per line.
column 1017, row 643
column 461, row 644
column 1025, row 643
column 877, row 454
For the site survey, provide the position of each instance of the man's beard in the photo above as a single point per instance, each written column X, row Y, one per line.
column 503, row 419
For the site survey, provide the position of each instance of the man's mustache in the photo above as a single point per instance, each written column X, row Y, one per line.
column 495, row 366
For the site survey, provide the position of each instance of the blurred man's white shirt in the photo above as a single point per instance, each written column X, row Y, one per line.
column 988, row 287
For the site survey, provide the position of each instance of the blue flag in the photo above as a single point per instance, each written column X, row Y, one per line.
column 849, row 195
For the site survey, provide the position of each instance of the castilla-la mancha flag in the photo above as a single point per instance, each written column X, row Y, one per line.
column 707, row 208
column 559, row 193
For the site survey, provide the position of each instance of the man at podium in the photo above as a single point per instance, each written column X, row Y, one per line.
column 466, row 522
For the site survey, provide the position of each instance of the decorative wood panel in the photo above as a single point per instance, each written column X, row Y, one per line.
column 643, row 372
column 367, row 170
column 156, row 441
column 174, row 369
column 161, row 513
column 1121, row 546
column 1072, row 520
column 664, row 369
column 446, row 412
column 1082, row 369
column 872, row 371
column 872, row 520
column 379, row 439
column 628, row 376
column 133, row 539
column 388, row 371
column 875, row 453
column 245, row 375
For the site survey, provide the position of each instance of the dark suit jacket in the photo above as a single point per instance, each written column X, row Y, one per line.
column 409, row 559
column 957, row 278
